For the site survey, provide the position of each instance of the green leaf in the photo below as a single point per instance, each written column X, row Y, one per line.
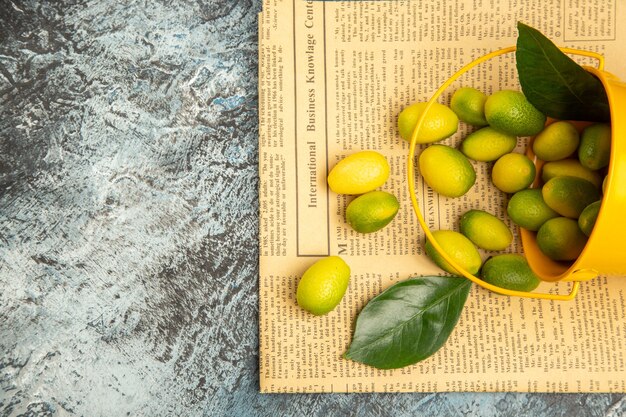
column 554, row 83
column 408, row 322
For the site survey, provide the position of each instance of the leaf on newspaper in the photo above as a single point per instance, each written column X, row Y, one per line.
column 554, row 83
column 408, row 322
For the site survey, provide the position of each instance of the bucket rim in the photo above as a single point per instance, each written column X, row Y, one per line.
column 573, row 291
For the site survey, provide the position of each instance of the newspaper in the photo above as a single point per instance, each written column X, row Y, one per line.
column 333, row 77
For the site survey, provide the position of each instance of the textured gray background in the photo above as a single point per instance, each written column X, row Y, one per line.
column 128, row 221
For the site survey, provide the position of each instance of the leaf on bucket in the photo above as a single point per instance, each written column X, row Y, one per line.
column 408, row 322
column 554, row 83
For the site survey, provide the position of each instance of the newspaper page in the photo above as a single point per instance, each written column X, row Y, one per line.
column 333, row 77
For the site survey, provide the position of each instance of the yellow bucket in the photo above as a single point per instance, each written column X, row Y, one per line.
column 603, row 253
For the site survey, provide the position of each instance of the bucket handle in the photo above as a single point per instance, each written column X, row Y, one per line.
column 411, row 178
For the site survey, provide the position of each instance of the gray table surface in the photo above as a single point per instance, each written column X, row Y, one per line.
column 129, row 221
